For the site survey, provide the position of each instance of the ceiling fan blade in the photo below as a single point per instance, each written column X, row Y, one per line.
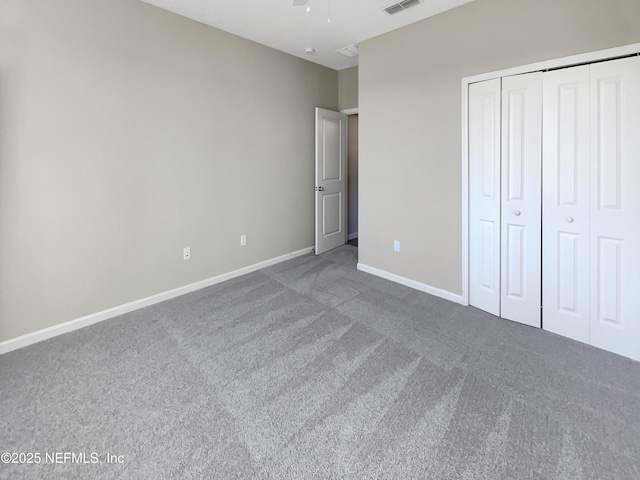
column 299, row 3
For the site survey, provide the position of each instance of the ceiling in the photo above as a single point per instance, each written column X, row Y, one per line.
column 278, row 24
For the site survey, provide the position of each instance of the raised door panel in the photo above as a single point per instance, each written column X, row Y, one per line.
column 521, row 184
column 615, row 212
column 484, row 196
column 331, row 213
column 331, row 152
column 565, row 203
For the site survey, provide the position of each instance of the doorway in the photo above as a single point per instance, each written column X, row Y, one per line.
column 352, row 180
column 336, row 183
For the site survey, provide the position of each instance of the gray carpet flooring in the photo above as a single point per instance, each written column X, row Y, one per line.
column 312, row 370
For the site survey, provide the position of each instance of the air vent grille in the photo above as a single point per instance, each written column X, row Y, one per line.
column 409, row 3
column 350, row 51
column 400, row 6
column 395, row 8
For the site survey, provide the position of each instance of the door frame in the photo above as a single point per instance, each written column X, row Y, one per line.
column 348, row 112
column 573, row 60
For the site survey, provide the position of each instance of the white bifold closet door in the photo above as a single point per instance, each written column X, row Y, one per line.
column 565, row 204
column 591, row 207
column 505, row 143
column 484, row 195
column 521, row 197
column 575, row 249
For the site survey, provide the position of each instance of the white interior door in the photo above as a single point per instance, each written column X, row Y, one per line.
column 615, row 206
column 565, row 203
column 521, row 198
column 331, row 183
column 484, row 195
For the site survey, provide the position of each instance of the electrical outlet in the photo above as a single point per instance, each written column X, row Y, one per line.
column 186, row 253
column 243, row 240
column 396, row 245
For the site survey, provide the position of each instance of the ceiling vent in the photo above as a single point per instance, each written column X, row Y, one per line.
column 350, row 51
column 400, row 6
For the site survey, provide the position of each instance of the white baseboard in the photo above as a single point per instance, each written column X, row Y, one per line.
column 44, row 334
column 423, row 287
column 351, row 236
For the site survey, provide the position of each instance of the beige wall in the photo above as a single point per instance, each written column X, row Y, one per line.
column 348, row 88
column 128, row 133
column 410, row 119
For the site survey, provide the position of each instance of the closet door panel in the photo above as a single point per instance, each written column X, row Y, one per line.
column 565, row 203
column 615, row 206
column 521, row 183
column 484, row 196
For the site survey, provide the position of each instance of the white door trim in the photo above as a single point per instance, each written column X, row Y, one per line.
column 348, row 112
column 590, row 57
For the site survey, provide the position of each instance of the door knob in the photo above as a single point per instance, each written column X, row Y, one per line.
column 517, row 213
column 570, row 219
column 319, row 189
